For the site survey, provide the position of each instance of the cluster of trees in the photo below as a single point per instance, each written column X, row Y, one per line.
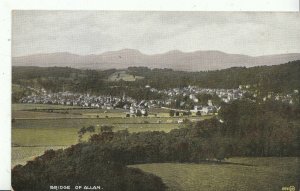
column 82, row 165
column 203, row 99
column 174, row 113
column 270, row 128
column 84, row 130
column 57, row 79
column 18, row 92
column 279, row 78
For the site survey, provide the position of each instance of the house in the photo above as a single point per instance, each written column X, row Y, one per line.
column 206, row 110
column 197, row 110
column 180, row 121
column 209, row 103
column 194, row 98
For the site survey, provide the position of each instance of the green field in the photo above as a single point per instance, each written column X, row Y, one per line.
column 79, row 122
column 42, row 111
column 266, row 174
column 68, row 136
column 16, row 107
column 20, row 155
column 44, row 128
column 44, row 136
column 30, row 142
column 40, row 115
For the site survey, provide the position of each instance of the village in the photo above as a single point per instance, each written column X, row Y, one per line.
column 140, row 108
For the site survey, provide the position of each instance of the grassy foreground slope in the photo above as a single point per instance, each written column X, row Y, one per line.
column 266, row 174
column 20, row 155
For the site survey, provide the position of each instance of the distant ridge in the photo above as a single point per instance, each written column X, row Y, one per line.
column 174, row 59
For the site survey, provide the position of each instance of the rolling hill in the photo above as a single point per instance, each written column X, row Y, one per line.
column 177, row 60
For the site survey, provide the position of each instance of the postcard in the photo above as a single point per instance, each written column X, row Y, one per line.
column 154, row 100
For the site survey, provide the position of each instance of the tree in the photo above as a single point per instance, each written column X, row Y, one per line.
column 80, row 133
column 84, row 130
column 138, row 113
column 171, row 113
column 90, row 129
column 106, row 128
column 146, row 113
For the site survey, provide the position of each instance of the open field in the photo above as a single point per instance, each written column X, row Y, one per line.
column 66, row 136
column 66, row 113
column 40, row 115
column 123, row 75
column 46, row 111
column 31, row 142
column 266, row 174
column 80, row 122
column 25, row 116
column 20, row 155
column 79, row 113
column 44, row 136
column 27, row 106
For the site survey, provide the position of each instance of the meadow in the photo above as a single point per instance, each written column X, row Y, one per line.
column 20, row 155
column 46, row 111
column 17, row 107
column 247, row 174
column 65, row 136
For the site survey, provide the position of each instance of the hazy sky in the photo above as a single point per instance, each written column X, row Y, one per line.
column 93, row 32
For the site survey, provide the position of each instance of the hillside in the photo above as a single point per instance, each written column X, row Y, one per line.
column 176, row 60
column 278, row 78
column 282, row 78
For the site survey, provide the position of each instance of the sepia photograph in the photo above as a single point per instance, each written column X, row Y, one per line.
column 155, row 100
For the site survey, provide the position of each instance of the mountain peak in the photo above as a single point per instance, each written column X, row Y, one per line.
column 129, row 50
column 174, row 52
column 125, row 51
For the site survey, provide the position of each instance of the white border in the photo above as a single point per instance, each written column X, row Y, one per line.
column 166, row 5
column 5, row 96
column 160, row 5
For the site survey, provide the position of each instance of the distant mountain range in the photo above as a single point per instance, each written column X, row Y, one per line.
column 177, row 60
